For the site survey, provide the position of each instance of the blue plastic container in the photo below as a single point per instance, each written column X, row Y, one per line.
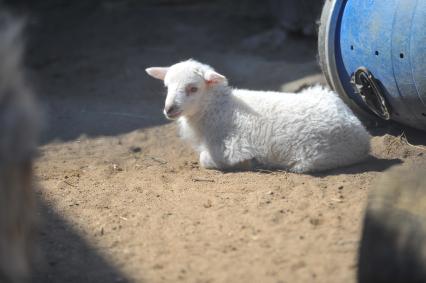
column 385, row 37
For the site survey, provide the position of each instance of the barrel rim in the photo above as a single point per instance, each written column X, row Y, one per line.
column 331, row 14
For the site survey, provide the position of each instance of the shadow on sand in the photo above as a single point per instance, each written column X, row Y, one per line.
column 66, row 257
column 411, row 135
column 372, row 164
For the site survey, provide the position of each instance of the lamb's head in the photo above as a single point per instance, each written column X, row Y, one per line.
column 188, row 84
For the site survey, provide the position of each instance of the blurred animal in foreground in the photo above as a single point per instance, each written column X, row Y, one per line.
column 304, row 132
column 393, row 244
column 19, row 124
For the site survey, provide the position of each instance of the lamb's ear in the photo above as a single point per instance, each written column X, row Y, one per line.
column 157, row 72
column 213, row 78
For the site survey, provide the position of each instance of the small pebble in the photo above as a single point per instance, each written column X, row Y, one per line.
column 135, row 149
column 208, row 204
column 116, row 167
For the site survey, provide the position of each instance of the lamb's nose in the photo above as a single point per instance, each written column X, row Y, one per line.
column 170, row 109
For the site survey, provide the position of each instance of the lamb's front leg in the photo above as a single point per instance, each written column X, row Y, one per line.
column 207, row 161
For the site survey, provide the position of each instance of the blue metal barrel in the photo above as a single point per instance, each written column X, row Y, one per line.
column 385, row 39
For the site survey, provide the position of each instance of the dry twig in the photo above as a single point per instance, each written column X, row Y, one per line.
column 159, row 160
column 69, row 184
column 394, row 141
column 196, row 179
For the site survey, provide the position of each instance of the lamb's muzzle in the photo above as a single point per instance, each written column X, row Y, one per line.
column 172, row 112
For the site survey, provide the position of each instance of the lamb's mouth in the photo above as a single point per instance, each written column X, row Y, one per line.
column 174, row 115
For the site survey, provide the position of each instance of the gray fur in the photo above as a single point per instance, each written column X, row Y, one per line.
column 19, row 125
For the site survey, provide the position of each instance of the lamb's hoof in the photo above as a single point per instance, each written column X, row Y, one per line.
column 393, row 241
column 299, row 169
column 206, row 161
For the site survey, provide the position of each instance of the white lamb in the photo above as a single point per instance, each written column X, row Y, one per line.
column 232, row 128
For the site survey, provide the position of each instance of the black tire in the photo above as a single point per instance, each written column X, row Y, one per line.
column 325, row 14
column 393, row 243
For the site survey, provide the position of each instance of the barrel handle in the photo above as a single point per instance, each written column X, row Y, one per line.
column 366, row 86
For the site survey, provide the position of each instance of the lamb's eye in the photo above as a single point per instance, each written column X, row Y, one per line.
column 193, row 89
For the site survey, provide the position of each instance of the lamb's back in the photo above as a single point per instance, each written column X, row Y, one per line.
column 316, row 104
column 312, row 125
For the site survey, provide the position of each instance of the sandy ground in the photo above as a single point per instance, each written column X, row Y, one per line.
column 124, row 200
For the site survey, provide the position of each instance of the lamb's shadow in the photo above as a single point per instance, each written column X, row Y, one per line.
column 67, row 257
column 372, row 164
